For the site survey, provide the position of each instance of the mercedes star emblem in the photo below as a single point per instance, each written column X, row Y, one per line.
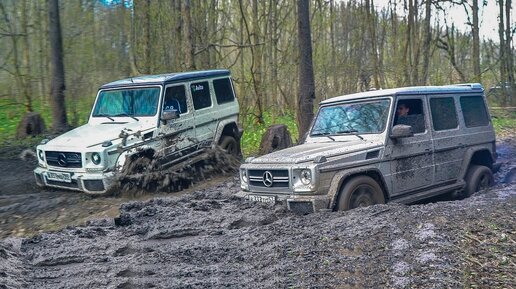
column 61, row 160
column 267, row 179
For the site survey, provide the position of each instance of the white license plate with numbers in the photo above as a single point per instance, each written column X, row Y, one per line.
column 262, row 199
column 59, row 177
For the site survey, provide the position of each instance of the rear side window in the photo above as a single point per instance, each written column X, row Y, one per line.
column 444, row 114
column 223, row 90
column 200, row 95
column 474, row 110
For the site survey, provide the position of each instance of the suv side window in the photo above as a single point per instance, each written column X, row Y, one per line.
column 175, row 99
column 410, row 112
column 223, row 91
column 200, row 95
column 444, row 113
column 474, row 110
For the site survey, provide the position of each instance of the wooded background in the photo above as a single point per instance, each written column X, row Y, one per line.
column 356, row 46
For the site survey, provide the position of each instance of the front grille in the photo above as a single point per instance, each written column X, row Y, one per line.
column 64, row 159
column 269, row 178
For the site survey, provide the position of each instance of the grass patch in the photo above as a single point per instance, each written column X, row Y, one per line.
column 504, row 122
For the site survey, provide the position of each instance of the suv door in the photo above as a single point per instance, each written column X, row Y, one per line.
column 179, row 133
column 205, row 116
column 448, row 138
column 411, row 157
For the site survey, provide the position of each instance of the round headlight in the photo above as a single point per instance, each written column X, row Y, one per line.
column 243, row 174
column 95, row 158
column 40, row 155
column 306, row 177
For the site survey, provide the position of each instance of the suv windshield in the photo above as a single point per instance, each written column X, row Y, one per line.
column 356, row 117
column 127, row 102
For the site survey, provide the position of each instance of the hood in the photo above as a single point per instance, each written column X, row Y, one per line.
column 309, row 151
column 93, row 134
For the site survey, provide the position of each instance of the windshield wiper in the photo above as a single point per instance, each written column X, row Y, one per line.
column 324, row 134
column 351, row 131
column 105, row 115
column 125, row 114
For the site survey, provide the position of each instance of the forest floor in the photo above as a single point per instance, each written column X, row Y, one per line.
column 205, row 237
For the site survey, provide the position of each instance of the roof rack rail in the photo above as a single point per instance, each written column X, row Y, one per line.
column 476, row 86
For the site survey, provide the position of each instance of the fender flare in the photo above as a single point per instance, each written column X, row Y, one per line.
column 338, row 180
column 220, row 127
column 468, row 155
column 122, row 157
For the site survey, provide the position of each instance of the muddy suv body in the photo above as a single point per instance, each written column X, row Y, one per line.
column 174, row 116
column 360, row 152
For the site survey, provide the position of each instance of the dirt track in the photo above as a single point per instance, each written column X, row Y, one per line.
column 211, row 239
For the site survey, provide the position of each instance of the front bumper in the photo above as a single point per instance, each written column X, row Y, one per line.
column 90, row 183
column 299, row 204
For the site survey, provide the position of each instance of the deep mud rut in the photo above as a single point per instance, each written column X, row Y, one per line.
column 209, row 238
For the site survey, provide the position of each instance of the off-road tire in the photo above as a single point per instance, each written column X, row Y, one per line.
column 360, row 191
column 477, row 178
column 230, row 145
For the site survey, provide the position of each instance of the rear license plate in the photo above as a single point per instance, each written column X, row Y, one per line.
column 59, row 177
column 262, row 199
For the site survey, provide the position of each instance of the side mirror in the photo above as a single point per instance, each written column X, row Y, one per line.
column 401, row 131
column 167, row 115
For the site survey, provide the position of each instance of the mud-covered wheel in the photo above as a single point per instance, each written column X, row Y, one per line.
column 478, row 178
column 230, row 145
column 360, row 191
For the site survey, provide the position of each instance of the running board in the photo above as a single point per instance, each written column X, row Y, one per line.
column 173, row 162
column 414, row 197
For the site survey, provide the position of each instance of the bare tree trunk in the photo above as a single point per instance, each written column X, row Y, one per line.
column 147, row 37
column 255, row 57
column 428, row 39
column 256, row 69
column 371, row 25
column 188, row 48
column 305, row 104
column 501, row 33
column 335, row 81
column 57, row 86
column 406, row 59
column 42, row 50
column 476, row 44
column 26, row 57
column 132, row 45
column 178, row 34
column 212, row 30
column 124, row 45
column 508, row 51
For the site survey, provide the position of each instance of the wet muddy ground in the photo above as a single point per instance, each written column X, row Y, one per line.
column 209, row 238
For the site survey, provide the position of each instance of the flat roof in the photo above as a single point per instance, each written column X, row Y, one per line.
column 166, row 78
column 416, row 90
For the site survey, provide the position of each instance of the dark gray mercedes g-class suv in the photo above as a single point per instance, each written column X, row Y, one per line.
column 392, row 145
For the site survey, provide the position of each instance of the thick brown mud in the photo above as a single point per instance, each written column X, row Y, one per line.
column 209, row 238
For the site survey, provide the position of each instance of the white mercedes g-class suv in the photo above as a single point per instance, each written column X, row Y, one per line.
column 175, row 116
column 401, row 145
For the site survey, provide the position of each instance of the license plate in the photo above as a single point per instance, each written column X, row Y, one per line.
column 59, row 177
column 263, row 199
